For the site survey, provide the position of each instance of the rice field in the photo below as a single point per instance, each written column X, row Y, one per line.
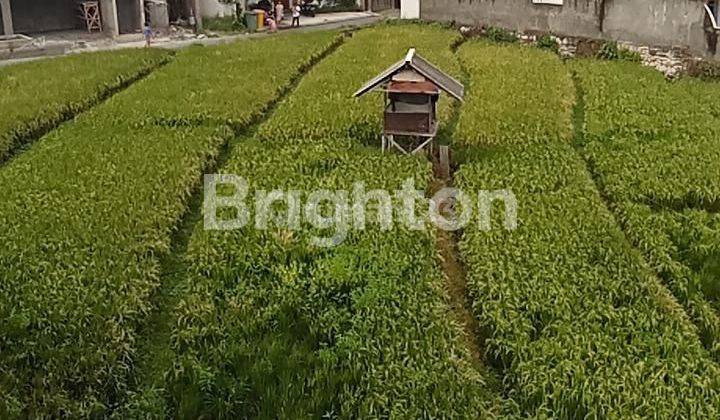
column 118, row 301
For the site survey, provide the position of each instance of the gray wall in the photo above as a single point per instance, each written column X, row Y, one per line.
column 129, row 16
column 44, row 15
column 657, row 22
column 577, row 17
column 652, row 22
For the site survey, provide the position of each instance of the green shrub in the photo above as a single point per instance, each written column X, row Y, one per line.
column 611, row 51
column 496, row 34
column 547, row 42
column 224, row 24
column 706, row 70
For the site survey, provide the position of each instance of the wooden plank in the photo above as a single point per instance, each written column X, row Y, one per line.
column 444, row 162
column 417, row 149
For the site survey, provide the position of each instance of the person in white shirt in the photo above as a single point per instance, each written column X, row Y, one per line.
column 296, row 15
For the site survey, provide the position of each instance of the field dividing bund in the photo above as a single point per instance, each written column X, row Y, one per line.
column 577, row 319
column 270, row 325
column 38, row 96
column 653, row 148
column 90, row 209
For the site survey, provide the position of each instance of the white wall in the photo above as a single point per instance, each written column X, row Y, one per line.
column 213, row 8
column 108, row 10
column 410, row 9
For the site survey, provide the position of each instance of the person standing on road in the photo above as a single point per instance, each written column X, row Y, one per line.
column 148, row 33
column 279, row 11
column 296, row 15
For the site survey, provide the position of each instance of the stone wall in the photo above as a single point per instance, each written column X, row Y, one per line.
column 670, row 61
column 653, row 22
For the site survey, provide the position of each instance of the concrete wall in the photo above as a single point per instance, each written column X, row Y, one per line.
column 410, row 9
column 157, row 14
column 129, row 16
column 48, row 15
column 578, row 17
column 653, row 22
column 108, row 11
column 657, row 22
column 3, row 4
column 214, row 8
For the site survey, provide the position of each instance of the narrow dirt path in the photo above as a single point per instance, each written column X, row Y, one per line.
column 454, row 274
column 453, row 268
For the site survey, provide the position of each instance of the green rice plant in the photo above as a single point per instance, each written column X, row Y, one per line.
column 651, row 141
column 653, row 146
column 323, row 106
column 577, row 319
column 230, row 84
column 270, row 325
column 683, row 253
column 516, row 95
column 37, row 96
column 86, row 214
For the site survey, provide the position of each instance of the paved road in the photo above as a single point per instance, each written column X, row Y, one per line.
column 178, row 44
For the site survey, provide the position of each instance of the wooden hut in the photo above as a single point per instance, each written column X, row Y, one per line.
column 411, row 88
